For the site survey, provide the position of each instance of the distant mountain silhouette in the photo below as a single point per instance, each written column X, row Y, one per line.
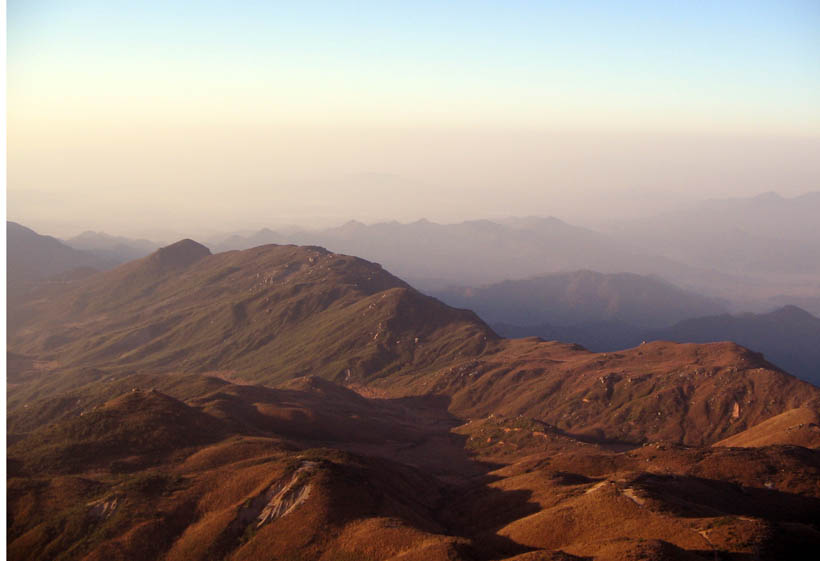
column 582, row 297
column 255, row 239
column 767, row 234
column 757, row 252
column 118, row 249
column 809, row 303
column 31, row 257
column 789, row 337
column 435, row 256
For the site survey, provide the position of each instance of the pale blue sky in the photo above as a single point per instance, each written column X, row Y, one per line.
column 724, row 64
column 464, row 101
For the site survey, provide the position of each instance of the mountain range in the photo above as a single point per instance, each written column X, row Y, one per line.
column 32, row 257
column 118, row 249
column 290, row 402
column 733, row 250
column 763, row 234
column 787, row 336
column 434, row 256
column 611, row 312
column 582, row 297
column 389, row 425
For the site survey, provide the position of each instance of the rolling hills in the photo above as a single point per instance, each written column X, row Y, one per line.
column 287, row 402
column 317, row 471
column 274, row 313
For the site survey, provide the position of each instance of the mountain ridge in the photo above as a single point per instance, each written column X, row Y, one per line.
column 274, row 313
column 581, row 297
column 257, row 303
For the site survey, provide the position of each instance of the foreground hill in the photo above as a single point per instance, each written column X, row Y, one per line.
column 318, row 472
column 797, row 427
column 582, row 297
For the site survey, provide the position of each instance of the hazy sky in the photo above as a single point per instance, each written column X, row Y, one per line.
column 167, row 115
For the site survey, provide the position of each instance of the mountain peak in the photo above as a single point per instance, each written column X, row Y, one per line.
column 769, row 196
column 353, row 224
column 791, row 311
column 179, row 255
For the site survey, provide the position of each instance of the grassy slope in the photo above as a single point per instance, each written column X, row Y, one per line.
column 798, row 427
column 693, row 394
column 269, row 314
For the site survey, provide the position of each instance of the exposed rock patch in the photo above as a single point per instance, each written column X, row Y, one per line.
column 103, row 509
column 278, row 500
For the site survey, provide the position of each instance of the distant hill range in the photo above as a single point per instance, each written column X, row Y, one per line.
column 789, row 337
column 117, row 249
column 434, row 256
column 31, row 257
column 601, row 311
column 733, row 249
column 583, row 297
column 767, row 234
column 609, row 312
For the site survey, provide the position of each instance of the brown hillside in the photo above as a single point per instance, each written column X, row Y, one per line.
column 692, row 394
column 177, row 256
column 796, row 427
column 270, row 314
column 140, row 426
